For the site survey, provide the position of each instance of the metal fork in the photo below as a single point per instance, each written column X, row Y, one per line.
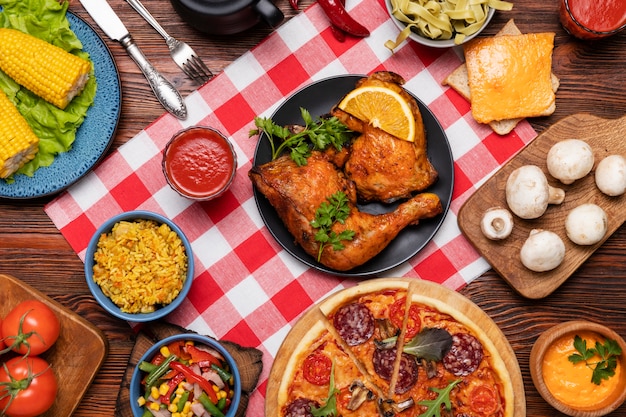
column 181, row 53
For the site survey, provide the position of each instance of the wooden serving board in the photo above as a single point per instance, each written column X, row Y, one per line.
column 76, row 356
column 606, row 137
column 454, row 302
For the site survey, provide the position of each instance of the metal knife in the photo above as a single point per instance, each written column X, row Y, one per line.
column 110, row 23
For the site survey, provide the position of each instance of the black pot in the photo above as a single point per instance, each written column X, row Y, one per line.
column 226, row 17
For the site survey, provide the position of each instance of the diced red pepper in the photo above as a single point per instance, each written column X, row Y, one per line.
column 172, row 384
column 192, row 377
column 202, row 356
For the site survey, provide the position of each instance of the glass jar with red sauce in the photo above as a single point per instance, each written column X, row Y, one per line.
column 199, row 163
column 593, row 19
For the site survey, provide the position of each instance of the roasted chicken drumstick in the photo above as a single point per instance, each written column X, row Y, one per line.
column 296, row 192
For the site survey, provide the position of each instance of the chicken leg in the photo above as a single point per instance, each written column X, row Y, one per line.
column 296, row 192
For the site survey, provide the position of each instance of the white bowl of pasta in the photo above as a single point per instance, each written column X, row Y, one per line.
column 438, row 27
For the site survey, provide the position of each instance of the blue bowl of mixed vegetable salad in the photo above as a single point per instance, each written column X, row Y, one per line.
column 188, row 374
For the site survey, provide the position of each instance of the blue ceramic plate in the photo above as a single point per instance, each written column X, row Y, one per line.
column 95, row 135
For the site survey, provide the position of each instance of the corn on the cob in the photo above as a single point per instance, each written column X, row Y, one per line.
column 50, row 72
column 18, row 142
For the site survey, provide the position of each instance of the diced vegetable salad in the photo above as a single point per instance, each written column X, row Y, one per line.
column 186, row 379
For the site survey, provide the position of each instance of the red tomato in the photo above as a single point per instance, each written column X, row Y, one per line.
column 317, row 368
column 396, row 315
column 37, row 397
column 30, row 328
column 483, row 400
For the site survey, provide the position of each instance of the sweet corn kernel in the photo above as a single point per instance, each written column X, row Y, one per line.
column 216, row 388
column 172, row 408
column 164, row 388
column 165, row 351
column 176, row 414
column 141, row 401
column 154, row 406
column 154, row 392
column 187, row 408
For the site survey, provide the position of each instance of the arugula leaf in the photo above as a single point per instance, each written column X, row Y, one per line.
column 434, row 406
column 608, row 352
column 334, row 209
column 430, row 344
column 330, row 406
column 315, row 135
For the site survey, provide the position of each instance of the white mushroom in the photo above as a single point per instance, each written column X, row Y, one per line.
column 611, row 175
column 586, row 224
column 497, row 223
column 543, row 251
column 570, row 160
column 528, row 192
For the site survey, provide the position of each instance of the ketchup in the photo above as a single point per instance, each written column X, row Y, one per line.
column 593, row 19
column 199, row 163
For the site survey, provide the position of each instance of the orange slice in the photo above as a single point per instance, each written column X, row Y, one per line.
column 382, row 108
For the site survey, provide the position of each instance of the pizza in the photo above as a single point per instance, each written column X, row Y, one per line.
column 385, row 348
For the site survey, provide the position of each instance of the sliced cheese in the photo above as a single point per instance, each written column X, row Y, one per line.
column 510, row 76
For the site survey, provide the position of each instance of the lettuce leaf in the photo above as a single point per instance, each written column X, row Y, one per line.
column 56, row 128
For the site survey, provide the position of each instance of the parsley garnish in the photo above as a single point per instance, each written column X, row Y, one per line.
column 330, row 406
column 334, row 209
column 315, row 135
column 434, row 406
column 608, row 353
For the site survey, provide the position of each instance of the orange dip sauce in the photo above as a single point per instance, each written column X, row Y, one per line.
column 593, row 19
column 199, row 163
column 571, row 383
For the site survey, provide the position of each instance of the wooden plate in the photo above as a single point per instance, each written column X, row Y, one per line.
column 77, row 354
column 605, row 137
column 455, row 304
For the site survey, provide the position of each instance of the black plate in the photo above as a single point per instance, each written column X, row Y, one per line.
column 319, row 98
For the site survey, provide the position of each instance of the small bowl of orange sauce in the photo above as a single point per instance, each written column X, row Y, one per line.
column 590, row 387
column 199, row 163
column 592, row 19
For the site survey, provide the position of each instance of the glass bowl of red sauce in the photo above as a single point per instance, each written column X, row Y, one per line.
column 593, row 19
column 199, row 163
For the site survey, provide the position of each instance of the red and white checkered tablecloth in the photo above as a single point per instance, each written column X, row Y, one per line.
column 246, row 287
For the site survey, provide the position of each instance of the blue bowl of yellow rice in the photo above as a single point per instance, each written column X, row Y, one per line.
column 225, row 382
column 139, row 266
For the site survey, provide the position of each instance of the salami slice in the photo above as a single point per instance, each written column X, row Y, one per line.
column 300, row 407
column 384, row 360
column 354, row 323
column 464, row 356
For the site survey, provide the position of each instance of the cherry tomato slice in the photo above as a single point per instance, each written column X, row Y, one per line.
column 483, row 400
column 317, row 368
column 396, row 315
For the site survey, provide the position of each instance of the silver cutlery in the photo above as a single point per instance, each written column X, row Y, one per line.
column 102, row 13
column 181, row 53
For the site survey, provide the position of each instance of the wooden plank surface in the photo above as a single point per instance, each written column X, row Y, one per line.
column 593, row 81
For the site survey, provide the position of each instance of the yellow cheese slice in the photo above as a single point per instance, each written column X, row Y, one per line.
column 510, row 76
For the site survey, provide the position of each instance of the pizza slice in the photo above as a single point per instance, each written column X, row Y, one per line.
column 369, row 321
column 320, row 377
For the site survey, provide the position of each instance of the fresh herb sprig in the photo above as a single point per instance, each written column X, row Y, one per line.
column 315, row 135
column 334, row 209
column 443, row 398
column 608, row 352
column 329, row 409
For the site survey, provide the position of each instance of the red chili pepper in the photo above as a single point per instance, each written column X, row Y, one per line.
column 199, row 355
column 339, row 17
column 172, row 384
column 294, row 4
column 191, row 376
column 339, row 34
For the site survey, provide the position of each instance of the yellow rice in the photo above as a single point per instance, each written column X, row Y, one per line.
column 140, row 265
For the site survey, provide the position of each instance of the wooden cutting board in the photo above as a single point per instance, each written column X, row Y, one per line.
column 439, row 294
column 605, row 137
column 76, row 356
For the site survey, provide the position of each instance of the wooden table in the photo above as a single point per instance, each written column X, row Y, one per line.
column 593, row 80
